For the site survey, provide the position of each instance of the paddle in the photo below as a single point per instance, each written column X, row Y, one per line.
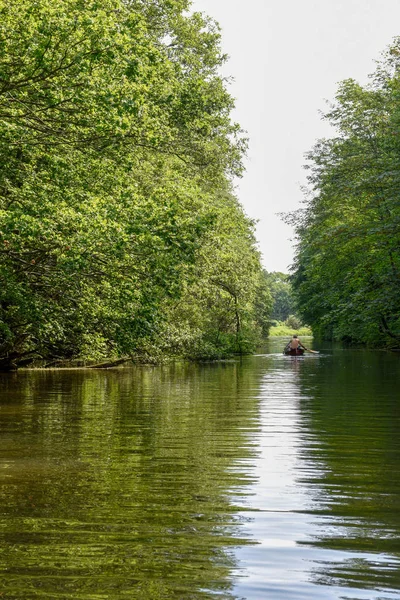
column 307, row 350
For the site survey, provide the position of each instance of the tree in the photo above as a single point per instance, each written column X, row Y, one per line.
column 347, row 266
column 225, row 305
column 115, row 142
column 282, row 294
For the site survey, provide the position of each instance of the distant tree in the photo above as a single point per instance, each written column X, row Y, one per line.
column 293, row 322
column 280, row 287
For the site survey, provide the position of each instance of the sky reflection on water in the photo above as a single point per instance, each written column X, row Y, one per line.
column 328, row 524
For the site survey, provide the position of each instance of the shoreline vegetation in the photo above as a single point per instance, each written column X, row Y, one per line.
column 120, row 232
column 347, row 265
column 285, row 331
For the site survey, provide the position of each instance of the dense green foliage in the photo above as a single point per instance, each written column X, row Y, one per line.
column 283, row 318
column 347, row 269
column 282, row 295
column 119, row 232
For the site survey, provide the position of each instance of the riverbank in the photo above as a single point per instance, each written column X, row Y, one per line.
column 284, row 330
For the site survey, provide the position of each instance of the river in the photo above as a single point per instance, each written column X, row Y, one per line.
column 268, row 477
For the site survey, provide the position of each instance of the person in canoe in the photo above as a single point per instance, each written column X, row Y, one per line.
column 294, row 347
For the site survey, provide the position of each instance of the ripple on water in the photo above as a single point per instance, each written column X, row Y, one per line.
column 260, row 478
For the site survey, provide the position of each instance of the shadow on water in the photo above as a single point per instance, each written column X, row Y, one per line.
column 123, row 484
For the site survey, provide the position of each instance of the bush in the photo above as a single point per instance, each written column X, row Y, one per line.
column 293, row 322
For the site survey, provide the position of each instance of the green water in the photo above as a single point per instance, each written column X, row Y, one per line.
column 272, row 477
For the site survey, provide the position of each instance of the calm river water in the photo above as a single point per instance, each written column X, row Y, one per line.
column 271, row 477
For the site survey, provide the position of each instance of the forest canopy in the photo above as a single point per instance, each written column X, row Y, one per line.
column 347, row 268
column 120, row 233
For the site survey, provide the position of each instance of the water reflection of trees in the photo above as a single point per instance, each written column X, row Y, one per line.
column 119, row 484
column 350, row 424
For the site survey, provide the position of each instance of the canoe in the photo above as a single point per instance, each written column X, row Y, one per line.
column 294, row 351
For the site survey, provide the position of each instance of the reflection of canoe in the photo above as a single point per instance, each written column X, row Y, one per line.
column 294, row 351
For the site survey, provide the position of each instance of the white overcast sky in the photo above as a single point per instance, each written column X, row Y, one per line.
column 286, row 58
